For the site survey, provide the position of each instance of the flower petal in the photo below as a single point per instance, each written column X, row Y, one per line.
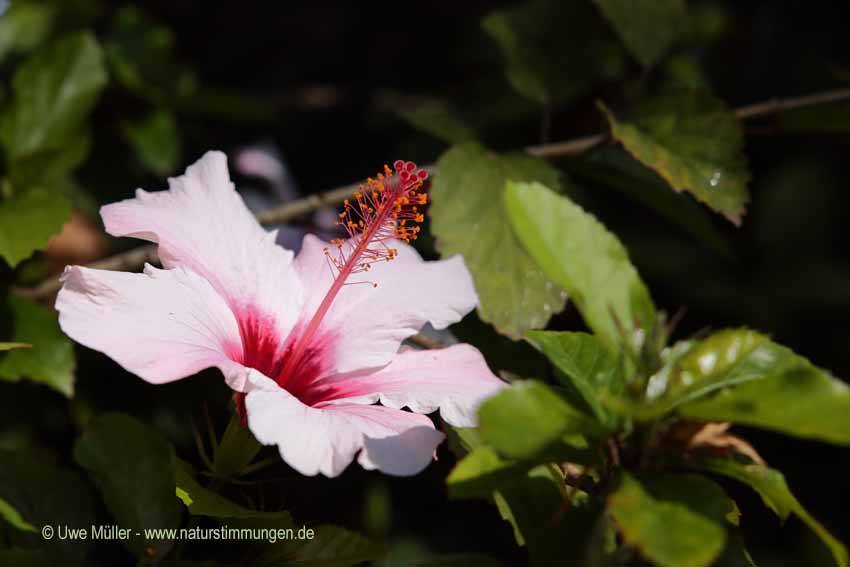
column 375, row 320
column 202, row 223
column 162, row 325
column 326, row 439
column 455, row 379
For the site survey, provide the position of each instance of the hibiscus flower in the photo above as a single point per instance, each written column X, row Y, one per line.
column 309, row 343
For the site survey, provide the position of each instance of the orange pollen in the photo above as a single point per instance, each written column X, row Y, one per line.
column 379, row 219
column 384, row 210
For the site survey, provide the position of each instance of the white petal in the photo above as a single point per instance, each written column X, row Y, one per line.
column 373, row 321
column 455, row 379
column 202, row 223
column 326, row 439
column 162, row 325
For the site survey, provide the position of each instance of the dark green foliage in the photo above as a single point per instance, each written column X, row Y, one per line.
column 610, row 447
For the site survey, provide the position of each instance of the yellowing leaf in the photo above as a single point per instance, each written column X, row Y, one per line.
column 694, row 142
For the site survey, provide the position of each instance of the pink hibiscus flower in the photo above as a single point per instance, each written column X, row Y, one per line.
column 308, row 349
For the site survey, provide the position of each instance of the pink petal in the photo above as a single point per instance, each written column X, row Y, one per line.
column 373, row 321
column 202, row 223
column 455, row 379
column 162, row 325
column 326, row 439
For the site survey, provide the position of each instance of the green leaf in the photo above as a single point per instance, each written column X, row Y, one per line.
column 673, row 520
column 501, row 353
column 236, row 450
column 529, row 417
column 579, row 254
column 24, row 26
column 140, row 52
column 481, row 473
column 28, row 220
column 667, row 134
column 735, row 554
column 331, row 546
column 11, row 515
column 647, row 27
column 550, row 525
column 43, row 494
column 204, row 502
column 50, row 361
column 53, row 94
column 554, row 51
column 469, row 218
column 592, row 369
column 437, row 118
column 612, row 167
column 49, row 168
column 771, row 486
column 156, row 141
column 12, row 346
column 764, row 385
column 133, row 468
column 699, row 368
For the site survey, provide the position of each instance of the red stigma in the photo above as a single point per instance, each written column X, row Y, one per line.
column 387, row 208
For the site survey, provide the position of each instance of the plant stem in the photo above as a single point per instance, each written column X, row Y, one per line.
column 135, row 258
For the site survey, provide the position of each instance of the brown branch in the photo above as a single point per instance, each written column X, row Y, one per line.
column 776, row 105
column 134, row 259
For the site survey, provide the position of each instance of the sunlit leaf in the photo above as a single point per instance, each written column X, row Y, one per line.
column 13, row 517
column 523, row 420
column 554, row 51
column 593, row 371
column 11, row 346
column 579, row 254
column 468, row 217
column 668, row 134
column 156, row 141
column 50, row 361
column 133, row 468
column 53, row 94
column 673, row 520
column 771, row 486
column 480, row 473
column 763, row 384
column 483, row 471
column 28, row 220
column 647, row 27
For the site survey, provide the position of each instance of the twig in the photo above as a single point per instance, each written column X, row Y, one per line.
column 124, row 261
column 134, row 259
column 775, row 105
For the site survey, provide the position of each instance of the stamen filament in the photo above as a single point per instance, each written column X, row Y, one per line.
column 382, row 213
